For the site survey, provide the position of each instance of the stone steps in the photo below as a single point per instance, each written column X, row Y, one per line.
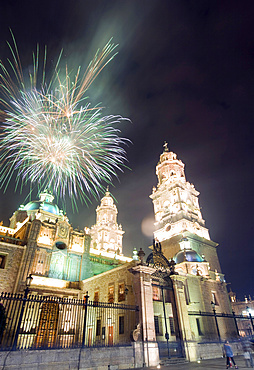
column 173, row 361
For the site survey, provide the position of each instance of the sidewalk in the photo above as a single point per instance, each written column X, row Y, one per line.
column 217, row 363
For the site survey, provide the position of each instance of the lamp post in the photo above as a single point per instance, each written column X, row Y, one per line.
column 24, row 299
column 141, row 255
column 216, row 321
column 166, row 327
column 85, row 319
column 128, row 290
column 236, row 326
column 250, row 316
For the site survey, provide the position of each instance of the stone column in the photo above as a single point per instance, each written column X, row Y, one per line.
column 85, row 264
column 27, row 264
column 183, row 317
column 142, row 286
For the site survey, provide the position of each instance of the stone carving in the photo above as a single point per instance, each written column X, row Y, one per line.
column 136, row 334
column 159, row 261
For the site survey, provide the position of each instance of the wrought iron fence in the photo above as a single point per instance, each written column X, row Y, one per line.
column 39, row 322
column 244, row 324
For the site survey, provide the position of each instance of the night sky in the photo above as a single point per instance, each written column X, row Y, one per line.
column 184, row 74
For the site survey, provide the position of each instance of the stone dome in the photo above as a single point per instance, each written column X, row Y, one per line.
column 188, row 255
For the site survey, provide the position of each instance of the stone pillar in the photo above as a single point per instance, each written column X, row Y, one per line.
column 27, row 264
column 85, row 265
column 142, row 286
column 190, row 346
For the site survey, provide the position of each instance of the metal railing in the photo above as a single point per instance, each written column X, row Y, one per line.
column 39, row 322
column 244, row 324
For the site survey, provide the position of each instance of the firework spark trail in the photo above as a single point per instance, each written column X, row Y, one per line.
column 52, row 137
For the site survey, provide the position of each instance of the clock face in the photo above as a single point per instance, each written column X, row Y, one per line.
column 63, row 231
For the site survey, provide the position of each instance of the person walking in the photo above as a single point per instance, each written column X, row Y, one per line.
column 247, row 354
column 229, row 354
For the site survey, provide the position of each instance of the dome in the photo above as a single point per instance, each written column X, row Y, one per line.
column 45, row 203
column 188, row 255
column 45, row 206
column 107, row 200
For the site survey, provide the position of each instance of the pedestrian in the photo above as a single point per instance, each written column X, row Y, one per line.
column 229, row 354
column 247, row 354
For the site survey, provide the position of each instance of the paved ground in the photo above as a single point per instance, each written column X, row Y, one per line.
column 217, row 363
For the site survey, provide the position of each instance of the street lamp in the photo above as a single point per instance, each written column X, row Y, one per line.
column 29, row 280
column 215, row 318
column 249, row 311
column 166, row 327
column 85, row 319
column 141, row 255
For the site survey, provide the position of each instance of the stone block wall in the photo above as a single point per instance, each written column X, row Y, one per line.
column 64, row 359
column 101, row 283
column 200, row 294
column 9, row 274
column 206, row 351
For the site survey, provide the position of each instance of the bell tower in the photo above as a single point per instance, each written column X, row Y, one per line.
column 177, row 212
column 106, row 234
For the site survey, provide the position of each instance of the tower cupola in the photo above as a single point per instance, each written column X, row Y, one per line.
column 175, row 200
column 106, row 234
column 169, row 168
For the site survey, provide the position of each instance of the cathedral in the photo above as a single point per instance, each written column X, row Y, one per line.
column 41, row 241
column 179, row 286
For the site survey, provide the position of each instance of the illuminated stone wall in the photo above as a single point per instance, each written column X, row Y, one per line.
column 11, row 258
column 87, row 358
column 110, row 279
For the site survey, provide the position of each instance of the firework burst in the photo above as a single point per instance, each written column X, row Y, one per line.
column 51, row 136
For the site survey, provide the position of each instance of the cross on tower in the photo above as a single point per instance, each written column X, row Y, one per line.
column 165, row 146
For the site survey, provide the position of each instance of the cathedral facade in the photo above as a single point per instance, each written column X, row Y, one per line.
column 179, row 287
column 41, row 241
